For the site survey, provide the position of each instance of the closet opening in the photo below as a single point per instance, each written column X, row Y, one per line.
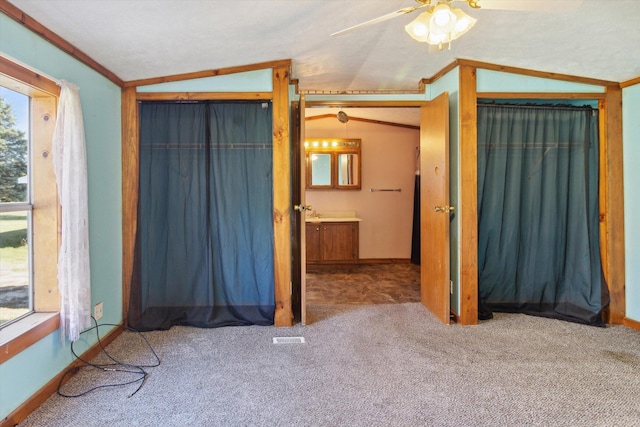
column 538, row 210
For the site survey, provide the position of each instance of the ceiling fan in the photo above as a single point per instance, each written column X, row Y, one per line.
column 441, row 22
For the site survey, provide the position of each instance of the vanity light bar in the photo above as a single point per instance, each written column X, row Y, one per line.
column 333, row 142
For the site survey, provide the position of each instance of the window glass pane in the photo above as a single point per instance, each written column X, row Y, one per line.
column 15, row 284
column 15, row 294
column 14, row 154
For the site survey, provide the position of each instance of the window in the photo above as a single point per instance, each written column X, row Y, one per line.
column 15, row 207
column 29, row 210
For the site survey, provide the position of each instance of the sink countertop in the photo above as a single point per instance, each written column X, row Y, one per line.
column 333, row 216
column 332, row 219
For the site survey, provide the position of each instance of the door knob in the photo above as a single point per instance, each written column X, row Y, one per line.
column 444, row 208
column 302, row 208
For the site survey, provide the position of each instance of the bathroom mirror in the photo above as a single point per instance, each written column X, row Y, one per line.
column 333, row 163
column 348, row 169
column 320, row 167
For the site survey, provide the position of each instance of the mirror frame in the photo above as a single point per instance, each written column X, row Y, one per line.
column 334, row 147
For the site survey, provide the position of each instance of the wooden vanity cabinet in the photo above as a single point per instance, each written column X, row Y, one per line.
column 313, row 242
column 332, row 242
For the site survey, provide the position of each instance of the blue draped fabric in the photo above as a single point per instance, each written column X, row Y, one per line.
column 204, row 249
column 538, row 220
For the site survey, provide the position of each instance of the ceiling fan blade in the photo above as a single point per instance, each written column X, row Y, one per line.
column 382, row 18
column 531, row 5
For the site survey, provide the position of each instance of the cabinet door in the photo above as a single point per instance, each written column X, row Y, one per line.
column 313, row 242
column 337, row 242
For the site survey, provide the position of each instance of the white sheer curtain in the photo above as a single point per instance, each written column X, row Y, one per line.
column 70, row 166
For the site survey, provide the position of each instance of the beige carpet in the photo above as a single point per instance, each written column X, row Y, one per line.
column 369, row 365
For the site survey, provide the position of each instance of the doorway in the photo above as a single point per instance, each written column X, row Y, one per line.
column 384, row 204
column 325, row 113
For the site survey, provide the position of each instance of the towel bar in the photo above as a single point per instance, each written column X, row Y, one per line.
column 385, row 189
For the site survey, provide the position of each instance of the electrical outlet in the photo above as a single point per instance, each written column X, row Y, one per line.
column 97, row 311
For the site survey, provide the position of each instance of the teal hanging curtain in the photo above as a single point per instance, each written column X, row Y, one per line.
column 538, row 221
column 204, row 247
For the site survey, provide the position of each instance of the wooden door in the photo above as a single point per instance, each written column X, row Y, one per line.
column 435, row 208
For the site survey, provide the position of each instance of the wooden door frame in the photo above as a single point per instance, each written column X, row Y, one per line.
column 610, row 186
column 279, row 95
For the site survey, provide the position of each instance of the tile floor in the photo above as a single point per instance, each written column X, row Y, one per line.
column 365, row 284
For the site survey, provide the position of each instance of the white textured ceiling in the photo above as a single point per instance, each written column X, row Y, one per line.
column 138, row 39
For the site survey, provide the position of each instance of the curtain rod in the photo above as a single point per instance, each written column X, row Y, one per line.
column 208, row 101
column 539, row 106
column 234, row 146
column 514, row 145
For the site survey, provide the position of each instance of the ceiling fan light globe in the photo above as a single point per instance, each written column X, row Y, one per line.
column 419, row 28
column 442, row 15
column 427, row 28
column 464, row 23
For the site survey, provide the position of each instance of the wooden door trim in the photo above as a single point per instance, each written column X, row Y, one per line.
column 281, row 198
column 130, row 179
column 611, row 205
column 468, row 196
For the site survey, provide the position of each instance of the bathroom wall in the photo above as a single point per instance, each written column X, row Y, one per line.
column 388, row 162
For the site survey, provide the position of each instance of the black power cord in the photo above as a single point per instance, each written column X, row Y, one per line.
column 116, row 366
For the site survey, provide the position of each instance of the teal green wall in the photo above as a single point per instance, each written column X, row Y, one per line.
column 25, row 373
column 631, row 152
column 249, row 81
column 450, row 83
column 497, row 81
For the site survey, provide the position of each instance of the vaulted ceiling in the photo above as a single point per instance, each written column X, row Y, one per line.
column 137, row 39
